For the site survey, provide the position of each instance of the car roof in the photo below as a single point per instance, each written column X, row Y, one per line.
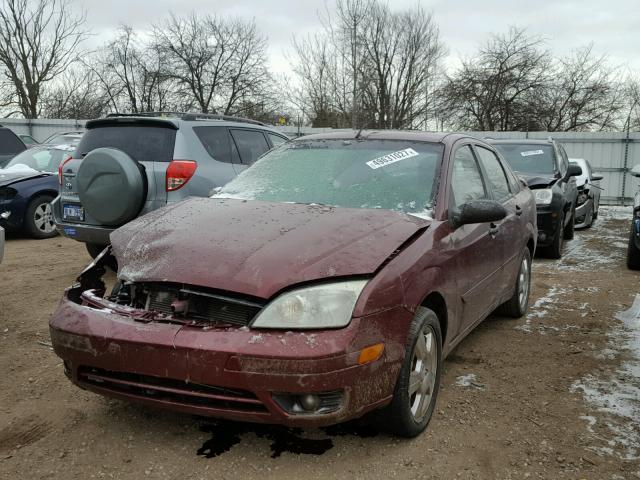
column 409, row 135
column 519, row 141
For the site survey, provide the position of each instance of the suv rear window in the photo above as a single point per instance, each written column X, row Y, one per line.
column 140, row 142
column 9, row 142
column 217, row 142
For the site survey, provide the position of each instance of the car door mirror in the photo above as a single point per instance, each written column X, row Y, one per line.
column 595, row 178
column 478, row 211
column 635, row 171
column 574, row 171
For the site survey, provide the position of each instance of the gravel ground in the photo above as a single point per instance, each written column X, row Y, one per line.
column 553, row 395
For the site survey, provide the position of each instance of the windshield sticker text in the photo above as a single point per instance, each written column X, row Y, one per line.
column 390, row 158
column 532, row 152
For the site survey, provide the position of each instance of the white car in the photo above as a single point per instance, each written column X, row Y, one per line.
column 589, row 189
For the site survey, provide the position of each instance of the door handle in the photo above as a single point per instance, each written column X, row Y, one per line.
column 493, row 229
column 518, row 210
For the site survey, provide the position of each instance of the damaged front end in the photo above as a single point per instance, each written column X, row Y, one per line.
column 160, row 301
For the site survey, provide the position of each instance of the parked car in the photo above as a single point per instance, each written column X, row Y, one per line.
column 588, row 201
column 63, row 137
column 28, row 184
column 28, row 140
column 1, row 244
column 545, row 167
column 126, row 166
column 328, row 280
column 10, row 145
column 633, row 251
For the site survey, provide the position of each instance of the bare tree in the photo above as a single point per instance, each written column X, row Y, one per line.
column 39, row 39
column 77, row 95
column 584, row 93
column 132, row 74
column 217, row 61
column 488, row 91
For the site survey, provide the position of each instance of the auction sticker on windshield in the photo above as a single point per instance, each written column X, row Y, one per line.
column 390, row 158
column 532, row 152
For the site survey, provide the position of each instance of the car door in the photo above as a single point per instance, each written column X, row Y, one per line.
column 251, row 144
column 509, row 232
column 475, row 246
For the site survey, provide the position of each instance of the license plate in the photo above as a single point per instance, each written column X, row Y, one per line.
column 73, row 212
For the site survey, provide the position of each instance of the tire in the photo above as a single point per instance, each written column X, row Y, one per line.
column 633, row 252
column 569, row 230
column 38, row 221
column 398, row 417
column 518, row 304
column 112, row 186
column 555, row 249
column 94, row 249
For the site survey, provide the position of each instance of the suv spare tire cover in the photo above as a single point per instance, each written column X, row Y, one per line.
column 111, row 186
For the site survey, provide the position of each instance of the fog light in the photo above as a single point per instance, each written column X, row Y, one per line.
column 310, row 402
column 5, row 215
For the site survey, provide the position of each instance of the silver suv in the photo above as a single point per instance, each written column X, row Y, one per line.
column 126, row 166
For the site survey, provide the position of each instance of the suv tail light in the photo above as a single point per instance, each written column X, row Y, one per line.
column 179, row 173
column 61, row 166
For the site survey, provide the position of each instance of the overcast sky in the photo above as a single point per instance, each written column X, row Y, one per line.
column 613, row 26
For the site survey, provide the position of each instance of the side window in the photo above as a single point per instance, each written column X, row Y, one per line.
column 276, row 139
column 495, row 174
column 251, row 144
column 466, row 181
column 217, row 142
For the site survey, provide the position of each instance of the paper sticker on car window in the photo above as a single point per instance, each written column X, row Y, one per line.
column 390, row 158
column 532, row 152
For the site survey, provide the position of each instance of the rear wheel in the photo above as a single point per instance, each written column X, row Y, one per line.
column 518, row 304
column 38, row 221
column 633, row 252
column 417, row 386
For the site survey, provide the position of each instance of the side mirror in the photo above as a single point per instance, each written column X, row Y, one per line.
column 574, row 170
column 595, row 178
column 478, row 211
column 635, row 171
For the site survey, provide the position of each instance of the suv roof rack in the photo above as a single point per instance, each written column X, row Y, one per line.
column 189, row 116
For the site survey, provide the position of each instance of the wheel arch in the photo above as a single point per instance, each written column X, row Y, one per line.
column 436, row 302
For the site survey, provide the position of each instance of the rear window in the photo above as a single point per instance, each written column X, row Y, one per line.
column 141, row 142
column 10, row 143
column 528, row 158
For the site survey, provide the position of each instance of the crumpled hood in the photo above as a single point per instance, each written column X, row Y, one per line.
column 257, row 248
column 13, row 177
column 537, row 180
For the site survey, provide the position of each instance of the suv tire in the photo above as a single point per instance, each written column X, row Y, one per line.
column 103, row 172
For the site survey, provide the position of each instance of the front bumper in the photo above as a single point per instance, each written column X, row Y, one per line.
column 226, row 372
column 79, row 231
column 548, row 221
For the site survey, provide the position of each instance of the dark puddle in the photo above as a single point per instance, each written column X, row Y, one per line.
column 292, row 440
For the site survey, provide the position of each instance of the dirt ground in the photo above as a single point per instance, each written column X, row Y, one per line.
column 528, row 398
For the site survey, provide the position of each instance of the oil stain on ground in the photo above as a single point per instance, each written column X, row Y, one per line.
column 292, row 440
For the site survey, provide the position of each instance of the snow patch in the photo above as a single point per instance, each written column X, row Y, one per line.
column 469, row 381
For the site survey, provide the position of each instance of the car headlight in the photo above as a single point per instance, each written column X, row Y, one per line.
column 543, row 196
column 329, row 305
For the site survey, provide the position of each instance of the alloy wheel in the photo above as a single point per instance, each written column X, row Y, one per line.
column 43, row 218
column 423, row 373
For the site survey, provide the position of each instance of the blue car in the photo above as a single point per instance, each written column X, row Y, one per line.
column 28, row 184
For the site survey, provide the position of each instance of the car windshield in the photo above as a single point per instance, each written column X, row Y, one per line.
column 528, row 158
column 389, row 174
column 42, row 159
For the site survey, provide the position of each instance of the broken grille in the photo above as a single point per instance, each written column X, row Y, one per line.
column 194, row 304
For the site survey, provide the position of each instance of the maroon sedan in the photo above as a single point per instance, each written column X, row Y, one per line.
column 328, row 280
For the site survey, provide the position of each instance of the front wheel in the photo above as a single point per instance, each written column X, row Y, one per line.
column 416, row 390
column 555, row 249
column 569, row 230
column 38, row 221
